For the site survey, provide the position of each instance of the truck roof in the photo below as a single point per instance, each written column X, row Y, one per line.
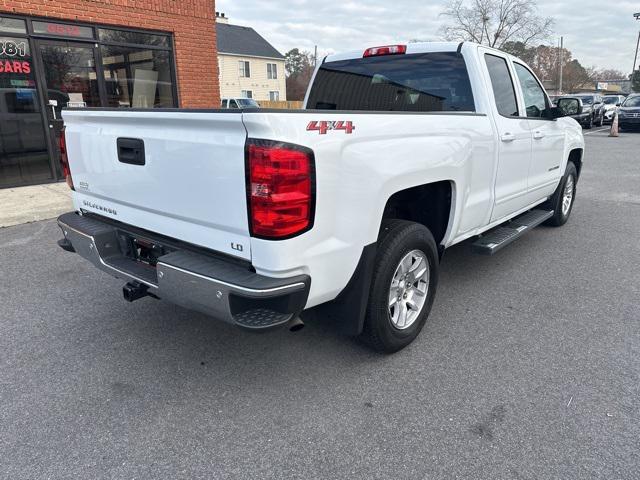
column 421, row 47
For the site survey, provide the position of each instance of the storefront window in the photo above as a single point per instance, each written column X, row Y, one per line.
column 62, row 29
column 24, row 157
column 137, row 77
column 126, row 36
column 70, row 75
column 12, row 25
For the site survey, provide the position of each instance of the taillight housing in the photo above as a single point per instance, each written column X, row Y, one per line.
column 64, row 160
column 280, row 189
column 386, row 50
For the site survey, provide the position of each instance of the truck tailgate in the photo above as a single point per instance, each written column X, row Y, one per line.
column 190, row 187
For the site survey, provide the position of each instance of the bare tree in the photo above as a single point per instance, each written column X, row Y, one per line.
column 495, row 22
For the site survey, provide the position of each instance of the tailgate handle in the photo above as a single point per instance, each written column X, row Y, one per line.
column 131, row 151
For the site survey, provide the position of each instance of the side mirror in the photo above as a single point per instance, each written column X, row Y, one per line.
column 568, row 106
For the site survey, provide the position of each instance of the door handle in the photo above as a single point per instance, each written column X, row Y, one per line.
column 508, row 137
column 131, row 151
column 538, row 134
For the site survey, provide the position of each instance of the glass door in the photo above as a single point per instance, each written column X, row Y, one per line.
column 69, row 80
column 24, row 156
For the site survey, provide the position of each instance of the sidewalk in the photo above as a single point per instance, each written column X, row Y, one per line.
column 34, row 203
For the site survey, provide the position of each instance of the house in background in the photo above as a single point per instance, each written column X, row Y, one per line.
column 249, row 65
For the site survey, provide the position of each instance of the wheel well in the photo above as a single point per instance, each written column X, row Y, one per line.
column 428, row 204
column 575, row 156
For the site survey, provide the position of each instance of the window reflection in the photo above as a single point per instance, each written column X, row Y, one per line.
column 137, row 77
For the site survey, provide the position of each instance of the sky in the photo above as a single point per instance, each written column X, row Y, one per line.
column 598, row 33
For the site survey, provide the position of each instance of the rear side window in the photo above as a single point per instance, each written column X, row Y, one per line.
column 502, row 85
column 425, row 82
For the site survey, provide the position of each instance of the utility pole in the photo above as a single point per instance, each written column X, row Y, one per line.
column 635, row 57
column 561, row 61
column 315, row 56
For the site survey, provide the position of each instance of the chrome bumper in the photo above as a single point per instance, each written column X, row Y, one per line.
column 212, row 285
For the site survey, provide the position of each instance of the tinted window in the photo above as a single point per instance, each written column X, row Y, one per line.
column 137, row 77
column 502, row 85
column 125, row 36
column 535, row 100
column 611, row 100
column 12, row 25
column 632, row 102
column 426, row 82
column 247, row 103
column 586, row 100
column 62, row 29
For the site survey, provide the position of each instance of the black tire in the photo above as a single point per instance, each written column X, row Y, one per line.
column 589, row 125
column 555, row 202
column 397, row 238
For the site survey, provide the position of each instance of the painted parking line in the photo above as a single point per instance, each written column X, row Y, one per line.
column 596, row 131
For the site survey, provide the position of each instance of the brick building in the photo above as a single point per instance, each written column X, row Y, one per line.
column 95, row 53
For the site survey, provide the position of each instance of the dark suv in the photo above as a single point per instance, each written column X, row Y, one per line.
column 629, row 112
column 592, row 110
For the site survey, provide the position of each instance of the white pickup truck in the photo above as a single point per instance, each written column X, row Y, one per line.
column 253, row 216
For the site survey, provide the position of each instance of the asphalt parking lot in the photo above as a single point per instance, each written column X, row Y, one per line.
column 528, row 368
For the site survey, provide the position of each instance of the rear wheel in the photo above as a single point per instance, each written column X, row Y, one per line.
column 403, row 286
column 562, row 199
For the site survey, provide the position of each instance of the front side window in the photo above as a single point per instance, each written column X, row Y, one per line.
column 535, row 100
column 272, row 71
column 243, row 69
column 502, row 85
column 421, row 82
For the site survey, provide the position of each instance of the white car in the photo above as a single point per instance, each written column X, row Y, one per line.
column 611, row 104
column 348, row 205
column 239, row 102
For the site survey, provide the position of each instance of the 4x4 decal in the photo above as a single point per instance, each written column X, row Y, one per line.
column 324, row 126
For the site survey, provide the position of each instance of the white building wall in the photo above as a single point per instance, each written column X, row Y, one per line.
column 232, row 84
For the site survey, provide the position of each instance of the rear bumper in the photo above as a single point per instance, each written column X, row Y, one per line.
column 215, row 286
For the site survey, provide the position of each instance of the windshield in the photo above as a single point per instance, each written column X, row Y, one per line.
column 610, row 100
column 586, row 100
column 632, row 102
column 422, row 82
column 247, row 103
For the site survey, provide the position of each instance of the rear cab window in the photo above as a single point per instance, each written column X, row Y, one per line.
column 502, row 85
column 420, row 82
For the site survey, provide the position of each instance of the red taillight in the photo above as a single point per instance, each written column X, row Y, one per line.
column 386, row 50
column 64, row 161
column 280, row 189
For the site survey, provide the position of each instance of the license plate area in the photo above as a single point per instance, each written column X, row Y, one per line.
column 141, row 250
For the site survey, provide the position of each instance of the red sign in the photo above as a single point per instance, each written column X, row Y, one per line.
column 15, row 66
column 59, row 29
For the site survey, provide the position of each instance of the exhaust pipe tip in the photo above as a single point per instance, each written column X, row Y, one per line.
column 133, row 291
column 295, row 324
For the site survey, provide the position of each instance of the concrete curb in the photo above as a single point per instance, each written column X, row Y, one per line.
column 34, row 203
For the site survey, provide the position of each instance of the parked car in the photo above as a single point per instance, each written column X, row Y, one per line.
column 611, row 104
column 629, row 112
column 592, row 110
column 239, row 103
column 348, row 206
